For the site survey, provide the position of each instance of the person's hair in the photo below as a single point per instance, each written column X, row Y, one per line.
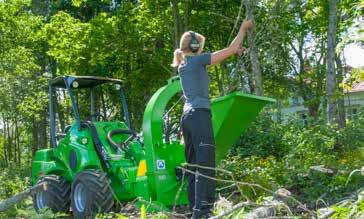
column 179, row 54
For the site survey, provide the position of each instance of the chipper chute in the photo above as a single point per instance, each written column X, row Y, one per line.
column 99, row 159
column 231, row 115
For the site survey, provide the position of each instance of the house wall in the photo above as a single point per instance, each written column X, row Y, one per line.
column 353, row 102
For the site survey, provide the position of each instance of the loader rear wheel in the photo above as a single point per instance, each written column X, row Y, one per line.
column 56, row 197
column 91, row 194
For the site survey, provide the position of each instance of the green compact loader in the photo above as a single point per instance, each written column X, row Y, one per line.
column 99, row 160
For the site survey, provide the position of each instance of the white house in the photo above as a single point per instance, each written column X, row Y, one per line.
column 353, row 100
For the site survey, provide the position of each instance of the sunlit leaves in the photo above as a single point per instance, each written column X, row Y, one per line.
column 67, row 37
column 77, row 3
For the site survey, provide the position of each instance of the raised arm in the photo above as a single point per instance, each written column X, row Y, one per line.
column 233, row 48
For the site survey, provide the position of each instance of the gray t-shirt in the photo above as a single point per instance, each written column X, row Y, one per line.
column 195, row 81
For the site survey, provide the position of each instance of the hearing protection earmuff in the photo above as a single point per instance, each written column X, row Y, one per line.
column 194, row 44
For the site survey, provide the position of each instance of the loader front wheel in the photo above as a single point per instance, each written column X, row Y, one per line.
column 91, row 194
column 56, row 197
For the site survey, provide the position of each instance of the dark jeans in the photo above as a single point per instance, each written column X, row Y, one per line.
column 200, row 149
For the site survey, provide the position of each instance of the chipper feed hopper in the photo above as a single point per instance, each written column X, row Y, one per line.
column 98, row 161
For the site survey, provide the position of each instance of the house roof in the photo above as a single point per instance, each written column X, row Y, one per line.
column 357, row 87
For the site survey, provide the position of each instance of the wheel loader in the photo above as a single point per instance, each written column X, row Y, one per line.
column 97, row 159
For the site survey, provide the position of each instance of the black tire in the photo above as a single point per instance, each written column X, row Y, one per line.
column 91, row 194
column 56, row 197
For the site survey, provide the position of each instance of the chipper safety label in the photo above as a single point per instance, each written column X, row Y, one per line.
column 161, row 165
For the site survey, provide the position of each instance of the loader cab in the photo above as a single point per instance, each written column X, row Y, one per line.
column 74, row 100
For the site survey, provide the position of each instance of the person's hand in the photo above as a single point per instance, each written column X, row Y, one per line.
column 240, row 51
column 246, row 25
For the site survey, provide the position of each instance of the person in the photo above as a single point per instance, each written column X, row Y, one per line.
column 196, row 122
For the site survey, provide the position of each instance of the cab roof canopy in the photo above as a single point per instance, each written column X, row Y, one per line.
column 83, row 81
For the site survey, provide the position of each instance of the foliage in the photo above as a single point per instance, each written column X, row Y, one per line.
column 134, row 41
column 266, row 136
column 291, row 160
column 350, row 208
column 11, row 182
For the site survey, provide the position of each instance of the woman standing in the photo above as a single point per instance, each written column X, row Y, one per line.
column 196, row 119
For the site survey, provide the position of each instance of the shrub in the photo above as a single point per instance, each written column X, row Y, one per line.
column 291, row 155
column 12, row 181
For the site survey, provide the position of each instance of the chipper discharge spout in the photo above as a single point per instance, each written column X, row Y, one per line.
column 231, row 115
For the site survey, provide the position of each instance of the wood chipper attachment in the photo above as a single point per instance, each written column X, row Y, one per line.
column 231, row 115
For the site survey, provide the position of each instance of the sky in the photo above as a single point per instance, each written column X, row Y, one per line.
column 354, row 55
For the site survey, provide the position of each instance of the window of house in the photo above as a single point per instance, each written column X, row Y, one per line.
column 352, row 111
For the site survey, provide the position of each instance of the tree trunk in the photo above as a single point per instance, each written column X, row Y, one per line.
column 43, row 130
column 245, row 76
column 13, row 145
column 186, row 15
column 35, row 137
column 256, row 68
column 176, row 18
column 340, row 102
column 279, row 112
column 8, row 142
column 16, row 142
column 17, row 134
column 331, row 71
column 4, row 146
column 59, row 111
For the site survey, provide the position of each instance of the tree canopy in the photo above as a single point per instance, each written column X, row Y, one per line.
column 287, row 56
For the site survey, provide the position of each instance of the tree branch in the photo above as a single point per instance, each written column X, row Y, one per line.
column 7, row 203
